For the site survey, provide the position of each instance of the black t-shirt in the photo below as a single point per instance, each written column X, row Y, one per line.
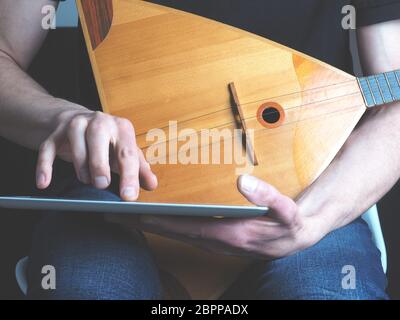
column 313, row 27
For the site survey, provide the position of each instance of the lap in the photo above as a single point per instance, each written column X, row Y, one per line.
column 318, row 272
column 98, row 260
column 93, row 259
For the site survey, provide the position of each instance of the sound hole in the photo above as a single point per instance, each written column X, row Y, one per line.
column 271, row 115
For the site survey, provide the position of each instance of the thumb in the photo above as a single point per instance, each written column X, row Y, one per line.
column 282, row 208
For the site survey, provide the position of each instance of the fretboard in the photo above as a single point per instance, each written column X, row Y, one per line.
column 380, row 89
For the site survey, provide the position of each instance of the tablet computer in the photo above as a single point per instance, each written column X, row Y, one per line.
column 120, row 207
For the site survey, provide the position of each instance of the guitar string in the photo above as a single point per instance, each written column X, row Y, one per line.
column 211, row 144
column 230, row 107
column 255, row 117
column 256, row 130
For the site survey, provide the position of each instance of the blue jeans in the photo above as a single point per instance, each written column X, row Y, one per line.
column 98, row 260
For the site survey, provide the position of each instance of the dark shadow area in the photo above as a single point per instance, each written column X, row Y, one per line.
column 56, row 69
column 389, row 208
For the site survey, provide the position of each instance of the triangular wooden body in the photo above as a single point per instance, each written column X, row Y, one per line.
column 154, row 64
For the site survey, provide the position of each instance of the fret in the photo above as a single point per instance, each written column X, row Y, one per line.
column 367, row 93
column 370, row 90
column 384, row 88
column 376, row 91
column 393, row 84
column 390, row 87
column 381, row 88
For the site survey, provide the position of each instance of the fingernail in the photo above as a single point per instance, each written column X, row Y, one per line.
column 155, row 179
column 101, row 182
column 129, row 193
column 248, row 183
column 41, row 179
column 84, row 176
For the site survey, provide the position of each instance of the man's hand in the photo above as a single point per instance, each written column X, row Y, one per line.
column 283, row 232
column 96, row 143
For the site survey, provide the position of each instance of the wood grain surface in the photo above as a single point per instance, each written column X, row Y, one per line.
column 98, row 15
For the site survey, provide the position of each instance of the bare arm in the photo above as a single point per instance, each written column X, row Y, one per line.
column 31, row 117
column 22, row 100
column 369, row 164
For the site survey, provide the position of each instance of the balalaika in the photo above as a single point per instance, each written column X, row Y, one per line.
column 169, row 71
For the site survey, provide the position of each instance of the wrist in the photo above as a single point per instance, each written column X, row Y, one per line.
column 65, row 111
column 319, row 215
column 56, row 113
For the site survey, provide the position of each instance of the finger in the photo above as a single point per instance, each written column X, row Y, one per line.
column 226, row 236
column 179, row 226
column 128, row 161
column 260, row 193
column 44, row 167
column 214, row 235
column 98, row 145
column 77, row 140
column 148, row 180
column 222, row 233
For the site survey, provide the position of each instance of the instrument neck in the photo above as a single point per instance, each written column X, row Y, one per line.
column 380, row 89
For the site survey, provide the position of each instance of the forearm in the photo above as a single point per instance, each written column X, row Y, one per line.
column 28, row 114
column 365, row 169
column 368, row 165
